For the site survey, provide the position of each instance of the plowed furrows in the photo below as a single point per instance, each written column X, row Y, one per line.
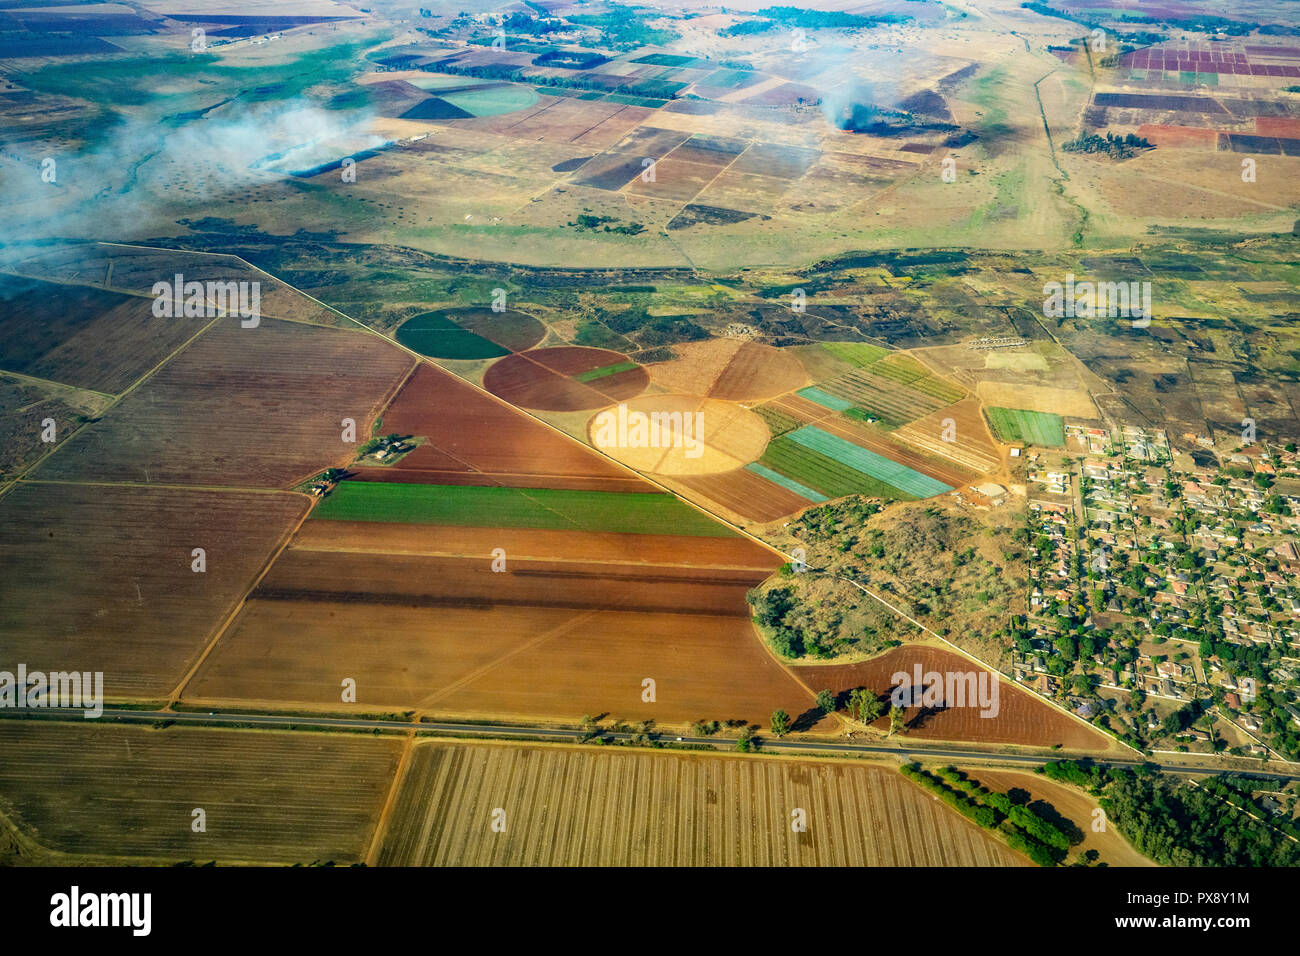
column 595, row 835
column 465, row 810
column 560, row 809
column 879, row 828
column 689, row 800
column 419, row 800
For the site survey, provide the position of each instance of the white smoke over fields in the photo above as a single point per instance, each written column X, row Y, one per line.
column 149, row 171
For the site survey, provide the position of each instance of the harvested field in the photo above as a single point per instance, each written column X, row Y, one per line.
column 506, row 662
column 1066, row 402
column 251, row 407
column 135, row 269
column 99, row 578
column 558, row 509
column 783, row 162
column 128, row 792
column 894, row 403
column 743, row 496
column 731, row 369
column 475, row 438
column 673, row 180
column 971, row 449
column 685, row 435
column 759, row 372
column 583, row 807
column 1015, row 425
column 645, row 550
column 1021, row 718
column 544, row 379
column 90, row 338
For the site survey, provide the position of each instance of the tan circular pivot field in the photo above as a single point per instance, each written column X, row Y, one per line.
column 679, row 434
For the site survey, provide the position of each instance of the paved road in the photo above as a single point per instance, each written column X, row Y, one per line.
column 769, row 744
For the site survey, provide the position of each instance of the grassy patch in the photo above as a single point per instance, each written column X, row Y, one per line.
column 592, row 374
column 1017, row 425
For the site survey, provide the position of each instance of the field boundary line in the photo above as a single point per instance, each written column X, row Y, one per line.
column 22, row 475
column 175, row 696
column 371, row 856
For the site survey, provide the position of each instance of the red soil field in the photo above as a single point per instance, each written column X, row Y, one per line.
column 742, row 495
column 1178, row 136
column 251, row 407
column 543, row 379
column 1020, row 719
column 100, row 578
column 1284, row 126
column 385, row 580
column 487, row 442
column 510, row 663
column 644, row 549
column 757, row 372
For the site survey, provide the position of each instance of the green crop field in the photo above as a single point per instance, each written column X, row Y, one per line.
column 495, row 507
column 788, row 484
column 778, row 423
column 907, row 480
column 494, row 100
column 856, row 353
column 592, row 374
column 437, row 336
column 1016, row 425
column 823, row 473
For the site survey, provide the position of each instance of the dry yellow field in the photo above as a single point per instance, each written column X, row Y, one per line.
column 568, row 806
column 1067, row 402
column 129, row 792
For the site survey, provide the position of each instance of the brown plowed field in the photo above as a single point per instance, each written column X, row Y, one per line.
column 112, row 791
column 1175, row 137
column 757, row 372
column 543, row 379
column 470, row 432
column 386, row 580
column 749, row 496
column 507, row 662
column 644, row 549
column 1284, row 126
column 583, row 807
column 1021, row 718
column 249, row 407
column 972, row 448
column 72, row 558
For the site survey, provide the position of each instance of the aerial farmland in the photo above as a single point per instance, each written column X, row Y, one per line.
column 583, row 434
